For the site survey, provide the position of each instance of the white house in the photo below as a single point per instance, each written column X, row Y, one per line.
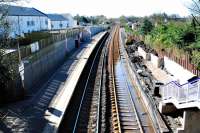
column 25, row 20
column 135, row 26
column 58, row 21
column 72, row 22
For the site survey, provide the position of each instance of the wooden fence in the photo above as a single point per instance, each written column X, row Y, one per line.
column 184, row 61
column 26, row 50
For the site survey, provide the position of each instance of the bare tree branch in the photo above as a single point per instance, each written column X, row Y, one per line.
column 195, row 11
column 197, row 4
column 195, row 20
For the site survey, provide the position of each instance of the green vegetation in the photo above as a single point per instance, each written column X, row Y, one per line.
column 196, row 58
column 146, row 27
column 95, row 20
column 176, row 35
column 33, row 37
column 171, row 34
column 8, row 63
column 128, row 29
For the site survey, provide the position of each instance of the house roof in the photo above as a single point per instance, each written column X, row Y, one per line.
column 56, row 17
column 23, row 11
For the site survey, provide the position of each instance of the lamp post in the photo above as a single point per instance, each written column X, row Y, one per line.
column 20, row 66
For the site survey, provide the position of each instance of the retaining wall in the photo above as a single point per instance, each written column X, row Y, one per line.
column 96, row 29
column 33, row 72
column 39, row 66
column 156, row 61
column 142, row 53
column 180, row 73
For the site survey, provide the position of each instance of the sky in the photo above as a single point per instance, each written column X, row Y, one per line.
column 111, row 8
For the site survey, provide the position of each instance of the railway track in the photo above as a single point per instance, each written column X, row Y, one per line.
column 90, row 105
column 107, row 102
column 125, row 115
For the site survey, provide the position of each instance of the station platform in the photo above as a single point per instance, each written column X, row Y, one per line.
column 62, row 99
column 43, row 112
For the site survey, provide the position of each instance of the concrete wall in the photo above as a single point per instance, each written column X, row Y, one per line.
column 142, row 53
column 180, row 73
column 90, row 31
column 34, row 72
column 44, row 65
column 95, row 29
column 156, row 61
column 190, row 122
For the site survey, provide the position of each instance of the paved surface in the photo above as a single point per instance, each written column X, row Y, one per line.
column 28, row 115
column 158, row 73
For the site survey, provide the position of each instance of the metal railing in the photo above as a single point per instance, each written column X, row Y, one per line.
column 189, row 92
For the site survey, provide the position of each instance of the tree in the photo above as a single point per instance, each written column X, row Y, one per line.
column 195, row 10
column 132, row 19
column 158, row 18
column 83, row 19
column 146, row 27
column 195, row 7
column 8, row 62
column 123, row 20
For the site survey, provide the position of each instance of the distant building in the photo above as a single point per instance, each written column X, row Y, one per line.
column 135, row 26
column 25, row 20
column 129, row 24
column 58, row 22
column 72, row 22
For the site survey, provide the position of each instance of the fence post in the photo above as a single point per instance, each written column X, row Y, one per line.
column 167, row 92
column 198, row 90
column 178, row 94
column 163, row 92
column 187, row 95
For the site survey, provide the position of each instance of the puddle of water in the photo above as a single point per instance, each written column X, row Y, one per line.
column 123, row 80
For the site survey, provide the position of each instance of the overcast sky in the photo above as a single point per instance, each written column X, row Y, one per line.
column 111, row 8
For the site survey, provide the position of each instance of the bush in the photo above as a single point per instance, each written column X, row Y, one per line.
column 146, row 27
column 196, row 58
column 170, row 35
column 33, row 37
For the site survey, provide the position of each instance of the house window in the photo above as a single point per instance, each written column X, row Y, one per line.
column 32, row 23
column 46, row 22
column 61, row 25
column 28, row 23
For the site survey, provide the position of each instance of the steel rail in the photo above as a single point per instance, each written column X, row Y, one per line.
column 113, row 83
column 86, row 86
